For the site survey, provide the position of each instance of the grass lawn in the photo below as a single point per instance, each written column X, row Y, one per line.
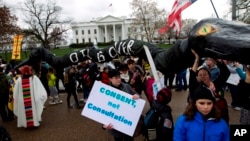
column 166, row 46
column 58, row 52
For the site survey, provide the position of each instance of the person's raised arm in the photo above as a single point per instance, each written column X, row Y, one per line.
column 193, row 83
column 240, row 71
column 196, row 61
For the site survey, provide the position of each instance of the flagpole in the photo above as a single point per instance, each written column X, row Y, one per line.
column 112, row 9
column 214, row 8
column 234, row 10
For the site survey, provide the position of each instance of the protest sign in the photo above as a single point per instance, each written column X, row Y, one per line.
column 109, row 105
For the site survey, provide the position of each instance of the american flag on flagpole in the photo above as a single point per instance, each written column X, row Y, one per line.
column 110, row 5
column 163, row 29
column 176, row 24
column 174, row 18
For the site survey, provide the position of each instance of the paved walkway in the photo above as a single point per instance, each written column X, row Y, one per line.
column 63, row 124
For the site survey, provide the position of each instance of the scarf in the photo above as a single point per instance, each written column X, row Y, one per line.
column 125, row 76
column 27, row 102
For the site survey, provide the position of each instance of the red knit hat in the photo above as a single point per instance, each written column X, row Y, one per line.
column 164, row 96
column 26, row 70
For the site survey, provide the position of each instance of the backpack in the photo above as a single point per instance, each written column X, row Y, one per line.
column 4, row 135
column 151, row 120
column 158, row 123
column 86, row 79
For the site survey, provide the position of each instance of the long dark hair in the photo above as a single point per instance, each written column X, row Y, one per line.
column 192, row 109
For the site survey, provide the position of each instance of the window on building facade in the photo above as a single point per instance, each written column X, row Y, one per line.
column 83, row 40
column 77, row 41
column 128, row 29
column 141, row 28
column 135, row 29
column 89, row 31
column 82, row 32
column 104, row 39
column 95, row 39
column 76, row 32
column 120, row 38
column 95, row 31
column 128, row 37
column 89, row 40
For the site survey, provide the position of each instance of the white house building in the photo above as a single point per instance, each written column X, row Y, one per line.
column 104, row 29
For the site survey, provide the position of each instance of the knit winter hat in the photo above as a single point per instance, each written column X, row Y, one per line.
column 113, row 73
column 203, row 68
column 164, row 96
column 203, row 92
column 26, row 70
column 123, row 67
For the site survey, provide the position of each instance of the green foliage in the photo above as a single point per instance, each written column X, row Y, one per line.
column 7, row 55
column 81, row 45
column 166, row 46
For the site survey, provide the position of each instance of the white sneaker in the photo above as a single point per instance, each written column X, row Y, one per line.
column 59, row 101
column 52, row 103
column 237, row 108
column 81, row 100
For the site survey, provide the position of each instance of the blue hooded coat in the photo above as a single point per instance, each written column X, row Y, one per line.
column 200, row 129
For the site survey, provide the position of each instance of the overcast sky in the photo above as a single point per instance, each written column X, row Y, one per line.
column 86, row 10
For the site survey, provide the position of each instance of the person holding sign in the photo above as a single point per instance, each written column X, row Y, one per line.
column 115, row 81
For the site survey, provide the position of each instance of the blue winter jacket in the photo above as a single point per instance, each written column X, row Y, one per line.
column 200, row 130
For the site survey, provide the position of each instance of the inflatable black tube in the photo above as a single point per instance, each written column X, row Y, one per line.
column 216, row 38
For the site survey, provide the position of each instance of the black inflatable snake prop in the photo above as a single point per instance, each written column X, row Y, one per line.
column 215, row 38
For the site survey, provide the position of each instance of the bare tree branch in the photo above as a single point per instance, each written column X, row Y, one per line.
column 42, row 19
column 243, row 10
column 147, row 16
column 8, row 26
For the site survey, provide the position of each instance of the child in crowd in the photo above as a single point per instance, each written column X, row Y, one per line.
column 164, row 125
column 54, row 97
column 202, row 119
column 115, row 81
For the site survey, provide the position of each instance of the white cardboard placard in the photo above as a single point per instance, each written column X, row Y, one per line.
column 106, row 105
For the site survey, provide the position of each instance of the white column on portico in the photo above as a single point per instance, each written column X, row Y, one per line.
column 123, row 31
column 106, row 33
column 97, row 34
column 114, row 35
